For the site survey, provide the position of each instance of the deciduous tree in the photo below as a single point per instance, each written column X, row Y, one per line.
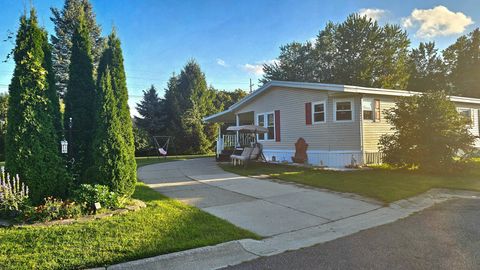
column 463, row 62
column 357, row 51
column 427, row 70
column 428, row 133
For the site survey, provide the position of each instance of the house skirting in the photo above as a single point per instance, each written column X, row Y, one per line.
column 322, row 158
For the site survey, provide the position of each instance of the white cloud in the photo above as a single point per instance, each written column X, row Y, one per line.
column 257, row 68
column 438, row 21
column 372, row 13
column 221, row 62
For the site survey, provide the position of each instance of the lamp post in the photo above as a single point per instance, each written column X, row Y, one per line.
column 64, row 146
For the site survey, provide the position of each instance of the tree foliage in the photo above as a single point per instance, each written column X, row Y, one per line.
column 65, row 22
column 152, row 113
column 180, row 114
column 427, row 70
column 187, row 101
column 79, row 99
column 52, row 88
column 357, row 51
column 31, row 142
column 224, row 99
column 3, row 123
column 428, row 132
column 113, row 146
column 463, row 62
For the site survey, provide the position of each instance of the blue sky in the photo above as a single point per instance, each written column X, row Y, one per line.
column 231, row 39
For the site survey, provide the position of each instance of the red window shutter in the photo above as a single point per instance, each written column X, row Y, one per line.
column 277, row 125
column 377, row 110
column 308, row 113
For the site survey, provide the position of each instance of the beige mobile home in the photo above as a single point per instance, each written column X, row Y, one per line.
column 340, row 123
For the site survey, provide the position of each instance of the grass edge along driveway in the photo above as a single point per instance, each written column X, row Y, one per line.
column 144, row 161
column 382, row 184
column 165, row 226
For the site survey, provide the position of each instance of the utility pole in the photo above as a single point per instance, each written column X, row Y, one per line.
column 251, row 85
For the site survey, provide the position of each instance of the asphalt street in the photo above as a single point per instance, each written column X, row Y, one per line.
column 446, row 236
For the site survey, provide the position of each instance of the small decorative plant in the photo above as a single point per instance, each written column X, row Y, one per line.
column 87, row 195
column 53, row 209
column 13, row 194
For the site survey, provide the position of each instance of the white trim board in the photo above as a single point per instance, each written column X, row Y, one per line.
column 339, row 88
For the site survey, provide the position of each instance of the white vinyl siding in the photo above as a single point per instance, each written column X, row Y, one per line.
column 328, row 136
column 372, row 131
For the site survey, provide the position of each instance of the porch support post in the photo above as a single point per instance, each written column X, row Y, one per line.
column 237, row 138
column 219, row 141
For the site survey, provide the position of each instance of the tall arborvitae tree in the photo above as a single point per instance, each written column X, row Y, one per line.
column 65, row 21
column 52, row 88
column 187, row 101
column 463, row 61
column 152, row 113
column 31, row 142
column 3, row 123
column 114, row 148
column 108, row 144
column 427, row 70
column 79, row 100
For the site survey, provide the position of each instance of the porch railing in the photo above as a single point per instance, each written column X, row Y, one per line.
column 373, row 158
column 230, row 141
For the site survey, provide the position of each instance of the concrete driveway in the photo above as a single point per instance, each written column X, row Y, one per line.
column 265, row 207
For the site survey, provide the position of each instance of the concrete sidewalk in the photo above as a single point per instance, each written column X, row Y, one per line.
column 265, row 207
column 323, row 216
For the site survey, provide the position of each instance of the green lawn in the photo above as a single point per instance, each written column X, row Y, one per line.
column 164, row 226
column 385, row 185
column 143, row 161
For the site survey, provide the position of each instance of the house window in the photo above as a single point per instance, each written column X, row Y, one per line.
column 367, row 109
column 266, row 120
column 343, row 110
column 318, row 112
column 261, row 122
column 467, row 113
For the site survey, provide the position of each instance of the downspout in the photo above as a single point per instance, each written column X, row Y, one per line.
column 362, row 148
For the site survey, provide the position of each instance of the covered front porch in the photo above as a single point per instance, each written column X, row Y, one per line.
column 228, row 141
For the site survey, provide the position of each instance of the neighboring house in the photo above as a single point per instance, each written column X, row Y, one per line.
column 339, row 122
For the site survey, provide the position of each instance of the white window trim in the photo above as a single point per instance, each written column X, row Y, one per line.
column 324, row 102
column 265, row 122
column 352, row 103
column 372, row 107
column 472, row 115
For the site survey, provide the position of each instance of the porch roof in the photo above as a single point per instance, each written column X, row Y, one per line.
column 228, row 116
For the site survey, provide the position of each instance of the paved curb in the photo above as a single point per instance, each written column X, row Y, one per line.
column 211, row 257
column 236, row 252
